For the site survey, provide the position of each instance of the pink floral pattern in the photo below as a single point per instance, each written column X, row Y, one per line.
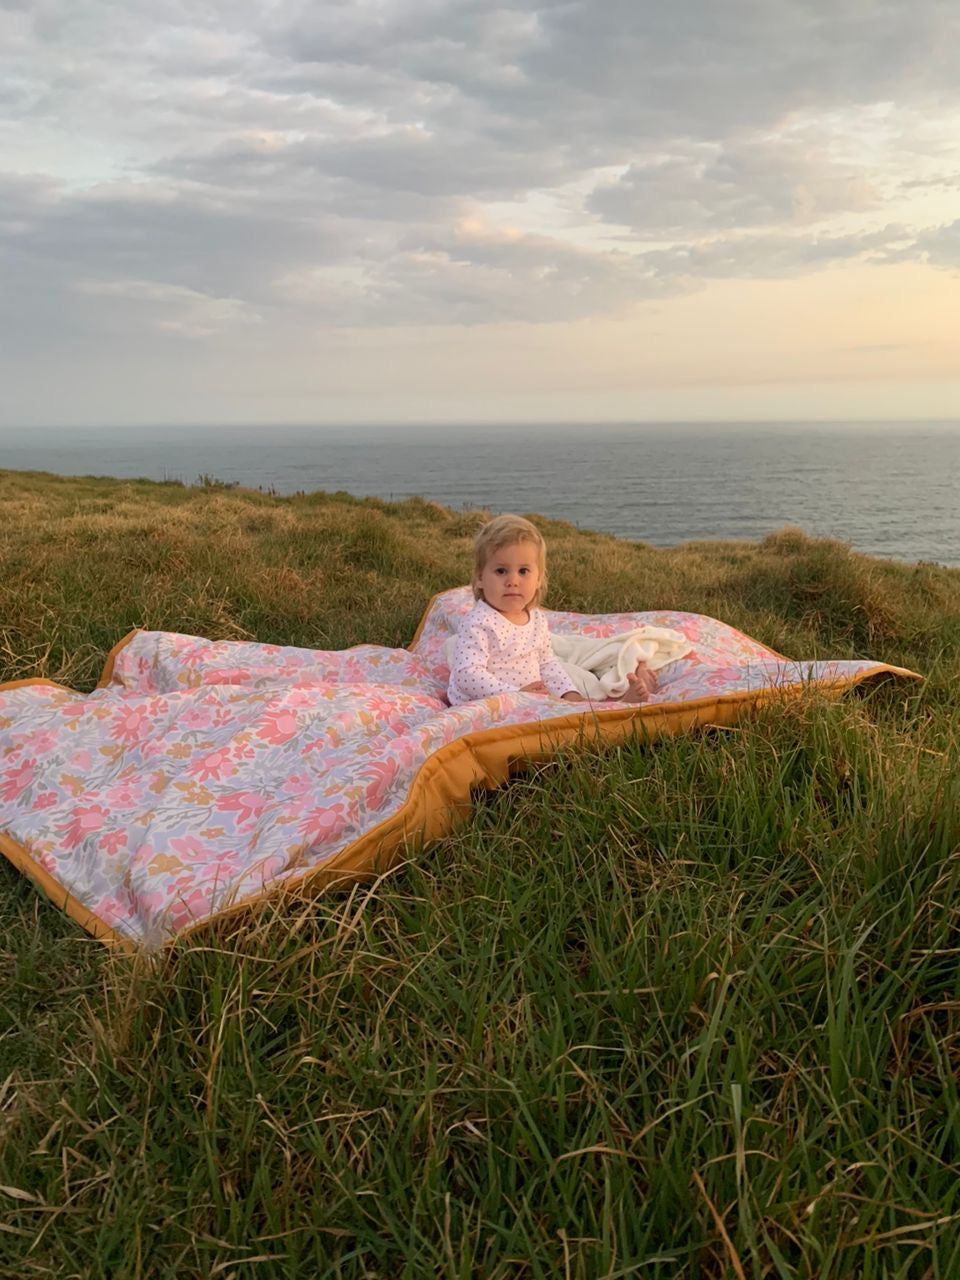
column 208, row 772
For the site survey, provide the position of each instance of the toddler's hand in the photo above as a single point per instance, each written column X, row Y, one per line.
column 537, row 687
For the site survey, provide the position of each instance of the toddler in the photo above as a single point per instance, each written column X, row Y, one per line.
column 503, row 645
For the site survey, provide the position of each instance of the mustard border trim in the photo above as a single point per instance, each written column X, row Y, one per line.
column 62, row 898
column 106, row 675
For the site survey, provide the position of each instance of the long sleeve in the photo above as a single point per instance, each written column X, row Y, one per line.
column 470, row 675
column 551, row 672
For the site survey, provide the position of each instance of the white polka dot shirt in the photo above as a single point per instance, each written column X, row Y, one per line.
column 493, row 655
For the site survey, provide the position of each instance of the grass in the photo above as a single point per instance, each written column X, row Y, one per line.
column 684, row 1012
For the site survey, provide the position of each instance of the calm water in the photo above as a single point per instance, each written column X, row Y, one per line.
column 887, row 489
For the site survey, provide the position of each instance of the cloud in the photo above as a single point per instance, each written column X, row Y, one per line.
column 941, row 246
column 772, row 256
column 193, row 172
column 638, row 71
column 479, row 273
column 181, row 311
column 743, row 183
column 142, row 231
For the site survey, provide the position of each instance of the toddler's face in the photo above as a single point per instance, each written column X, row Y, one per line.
column 511, row 578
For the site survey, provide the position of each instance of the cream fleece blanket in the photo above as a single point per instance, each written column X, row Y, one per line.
column 599, row 668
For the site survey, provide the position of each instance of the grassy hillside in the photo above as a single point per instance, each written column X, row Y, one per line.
column 684, row 1012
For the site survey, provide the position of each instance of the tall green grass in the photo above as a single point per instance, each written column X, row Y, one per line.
column 682, row 1011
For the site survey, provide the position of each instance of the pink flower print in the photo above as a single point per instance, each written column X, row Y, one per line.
column 17, row 780
column 112, row 910
column 74, row 709
column 191, row 906
column 298, row 783
column 304, row 698
column 287, row 671
column 44, row 799
column 405, row 751
column 188, row 847
column 380, row 707
column 278, row 727
column 718, row 678
column 122, row 795
column 247, row 805
column 216, row 765
column 180, row 884
column 322, row 825
column 43, row 742
column 113, row 841
column 195, row 717
column 227, row 675
column 83, row 822
column 384, row 773
column 194, row 657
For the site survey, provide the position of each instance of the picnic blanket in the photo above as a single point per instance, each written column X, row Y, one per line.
column 201, row 775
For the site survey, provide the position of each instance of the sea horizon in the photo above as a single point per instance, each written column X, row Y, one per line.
column 886, row 486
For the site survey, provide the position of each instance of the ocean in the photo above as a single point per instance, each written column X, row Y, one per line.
column 888, row 489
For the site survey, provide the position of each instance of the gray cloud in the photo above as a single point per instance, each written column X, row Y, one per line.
column 745, row 183
column 941, row 246
column 477, row 276
column 180, row 238
column 766, row 256
column 636, row 72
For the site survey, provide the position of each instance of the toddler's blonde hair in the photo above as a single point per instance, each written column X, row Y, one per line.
column 504, row 531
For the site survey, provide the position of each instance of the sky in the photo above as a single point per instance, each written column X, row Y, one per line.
column 268, row 211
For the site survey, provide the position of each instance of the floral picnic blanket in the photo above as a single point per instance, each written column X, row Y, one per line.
column 204, row 774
